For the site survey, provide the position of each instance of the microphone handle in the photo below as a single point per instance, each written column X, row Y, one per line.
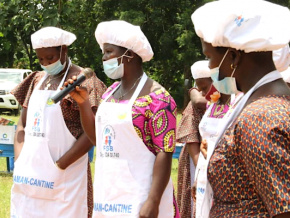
column 60, row 95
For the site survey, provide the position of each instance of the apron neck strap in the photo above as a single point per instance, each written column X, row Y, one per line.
column 66, row 72
column 136, row 92
column 112, row 92
column 208, row 110
column 138, row 89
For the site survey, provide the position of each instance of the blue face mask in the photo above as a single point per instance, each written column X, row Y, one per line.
column 112, row 68
column 54, row 68
column 227, row 85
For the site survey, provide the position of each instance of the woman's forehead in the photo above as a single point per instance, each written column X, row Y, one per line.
column 206, row 47
column 203, row 81
column 48, row 50
column 108, row 45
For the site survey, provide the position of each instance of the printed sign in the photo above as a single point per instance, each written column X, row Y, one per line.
column 7, row 134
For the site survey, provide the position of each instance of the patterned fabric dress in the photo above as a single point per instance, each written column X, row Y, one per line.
column 187, row 132
column 249, row 170
column 154, row 119
column 69, row 109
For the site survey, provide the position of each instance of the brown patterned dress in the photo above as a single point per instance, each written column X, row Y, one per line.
column 187, row 132
column 69, row 108
column 249, row 170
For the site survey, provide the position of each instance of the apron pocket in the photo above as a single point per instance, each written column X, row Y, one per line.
column 36, row 175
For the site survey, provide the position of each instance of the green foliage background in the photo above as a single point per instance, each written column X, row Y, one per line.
column 166, row 23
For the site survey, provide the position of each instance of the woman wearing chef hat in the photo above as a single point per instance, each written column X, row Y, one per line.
column 248, row 169
column 52, row 175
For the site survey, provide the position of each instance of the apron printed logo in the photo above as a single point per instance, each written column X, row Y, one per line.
column 201, row 190
column 49, row 102
column 114, row 208
column 36, row 122
column 32, row 182
column 204, row 126
column 109, row 134
column 35, row 129
column 122, row 116
column 107, row 147
column 239, row 20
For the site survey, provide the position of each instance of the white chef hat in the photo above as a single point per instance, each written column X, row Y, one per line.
column 248, row 25
column 286, row 75
column 281, row 58
column 200, row 70
column 51, row 37
column 124, row 34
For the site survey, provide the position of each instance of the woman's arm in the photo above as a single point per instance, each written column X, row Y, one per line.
column 161, row 175
column 164, row 149
column 88, row 138
column 203, row 148
column 81, row 96
column 19, row 135
column 193, row 149
column 88, row 120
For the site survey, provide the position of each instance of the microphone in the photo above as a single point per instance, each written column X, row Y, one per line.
column 86, row 74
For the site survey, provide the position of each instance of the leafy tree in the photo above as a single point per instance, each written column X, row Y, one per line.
column 19, row 19
column 81, row 17
column 167, row 25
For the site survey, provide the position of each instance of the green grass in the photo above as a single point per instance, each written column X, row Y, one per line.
column 5, row 187
column 6, row 178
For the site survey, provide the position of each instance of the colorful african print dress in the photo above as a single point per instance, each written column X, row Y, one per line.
column 249, row 169
column 154, row 120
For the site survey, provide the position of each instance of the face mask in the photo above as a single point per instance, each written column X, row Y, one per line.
column 112, row 68
column 210, row 92
column 227, row 85
column 54, row 68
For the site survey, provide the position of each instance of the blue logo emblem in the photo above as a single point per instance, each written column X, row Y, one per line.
column 239, row 20
column 36, row 122
column 108, row 137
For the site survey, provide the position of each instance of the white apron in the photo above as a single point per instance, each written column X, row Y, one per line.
column 124, row 165
column 209, row 129
column 40, row 189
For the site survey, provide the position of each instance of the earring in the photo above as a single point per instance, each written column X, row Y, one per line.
column 128, row 60
column 233, row 66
